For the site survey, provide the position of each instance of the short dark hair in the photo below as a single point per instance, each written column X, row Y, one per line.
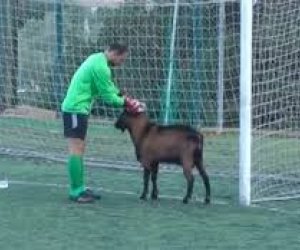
column 119, row 48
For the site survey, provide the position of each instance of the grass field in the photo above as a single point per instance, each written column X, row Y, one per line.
column 274, row 159
column 103, row 140
column 36, row 214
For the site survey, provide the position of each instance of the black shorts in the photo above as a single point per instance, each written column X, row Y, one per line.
column 75, row 125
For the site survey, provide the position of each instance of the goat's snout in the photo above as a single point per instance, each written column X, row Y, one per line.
column 120, row 124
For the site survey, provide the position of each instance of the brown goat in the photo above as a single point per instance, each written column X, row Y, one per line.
column 156, row 144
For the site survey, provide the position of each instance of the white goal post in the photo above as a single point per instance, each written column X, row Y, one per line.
column 245, row 103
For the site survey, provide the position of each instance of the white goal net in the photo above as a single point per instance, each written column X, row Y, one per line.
column 183, row 62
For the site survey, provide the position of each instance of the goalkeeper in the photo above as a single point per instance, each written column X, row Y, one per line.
column 92, row 79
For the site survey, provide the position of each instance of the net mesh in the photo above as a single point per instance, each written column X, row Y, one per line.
column 275, row 99
column 43, row 42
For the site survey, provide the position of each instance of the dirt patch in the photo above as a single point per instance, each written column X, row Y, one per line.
column 29, row 112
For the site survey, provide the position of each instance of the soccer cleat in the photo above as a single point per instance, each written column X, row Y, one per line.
column 92, row 194
column 82, row 198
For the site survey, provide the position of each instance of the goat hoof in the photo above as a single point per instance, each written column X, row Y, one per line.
column 143, row 197
column 154, row 197
column 185, row 201
column 207, row 201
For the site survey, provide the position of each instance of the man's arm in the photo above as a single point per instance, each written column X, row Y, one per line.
column 107, row 89
column 112, row 95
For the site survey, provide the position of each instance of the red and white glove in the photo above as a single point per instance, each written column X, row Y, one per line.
column 134, row 106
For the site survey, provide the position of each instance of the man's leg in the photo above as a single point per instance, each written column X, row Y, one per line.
column 78, row 190
column 75, row 128
column 75, row 166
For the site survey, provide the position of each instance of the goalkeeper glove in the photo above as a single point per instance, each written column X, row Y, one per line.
column 134, row 106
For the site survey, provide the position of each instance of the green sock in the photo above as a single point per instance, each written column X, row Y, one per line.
column 76, row 175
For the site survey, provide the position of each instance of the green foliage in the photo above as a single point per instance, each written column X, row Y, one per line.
column 277, row 65
column 35, row 74
column 147, row 30
column 144, row 73
column 148, row 33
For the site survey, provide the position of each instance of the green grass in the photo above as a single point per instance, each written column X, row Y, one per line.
column 34, row 215
column 103, row 141
column 271, row 155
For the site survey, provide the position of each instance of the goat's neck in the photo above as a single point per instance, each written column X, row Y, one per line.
column 136, row 132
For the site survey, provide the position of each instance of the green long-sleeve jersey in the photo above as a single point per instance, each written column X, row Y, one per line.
column 92, row 79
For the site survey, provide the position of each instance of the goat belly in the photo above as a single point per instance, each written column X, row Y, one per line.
column 165, row 154
column 169, row 159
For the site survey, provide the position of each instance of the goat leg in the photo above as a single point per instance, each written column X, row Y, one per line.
column 190, row 184
column 154, row 170
column 146, row 184
column 199, row 165
column 206, row 184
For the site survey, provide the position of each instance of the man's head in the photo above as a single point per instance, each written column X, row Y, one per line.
column 116, row 54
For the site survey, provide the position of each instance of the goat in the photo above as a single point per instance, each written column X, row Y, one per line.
column 154, row 144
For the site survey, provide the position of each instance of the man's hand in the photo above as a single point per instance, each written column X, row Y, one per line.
column 122, row 92
column 134, row 106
